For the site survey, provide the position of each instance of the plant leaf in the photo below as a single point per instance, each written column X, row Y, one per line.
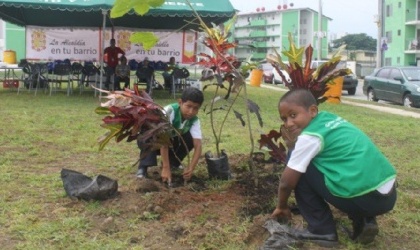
column 147, row 39
column 120, row 8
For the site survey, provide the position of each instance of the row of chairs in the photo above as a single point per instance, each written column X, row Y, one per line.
column 39, row 76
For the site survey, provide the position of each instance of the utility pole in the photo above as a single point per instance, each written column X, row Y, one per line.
column 319, row 36
column 379, row 22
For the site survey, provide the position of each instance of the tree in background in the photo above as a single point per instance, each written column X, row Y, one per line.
column 355, row 42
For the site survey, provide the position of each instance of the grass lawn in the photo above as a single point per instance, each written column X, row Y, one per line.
column 42, row 134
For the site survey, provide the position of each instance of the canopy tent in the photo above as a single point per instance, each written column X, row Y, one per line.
column 173, row 14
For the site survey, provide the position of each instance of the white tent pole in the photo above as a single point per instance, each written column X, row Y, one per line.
column 101, row 53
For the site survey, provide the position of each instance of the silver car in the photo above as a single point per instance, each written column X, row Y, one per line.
column 395, row 84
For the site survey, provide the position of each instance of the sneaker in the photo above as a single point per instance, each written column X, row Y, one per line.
column 141, row 173
column 365, row 230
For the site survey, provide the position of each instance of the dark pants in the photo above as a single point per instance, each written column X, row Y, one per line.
column 117, row 81
column 312, row 197
column 176, row 153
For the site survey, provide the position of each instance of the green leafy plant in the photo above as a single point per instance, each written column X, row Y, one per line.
column 121, row 7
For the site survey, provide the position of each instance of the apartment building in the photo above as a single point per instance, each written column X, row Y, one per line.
column 400, row 32
column 261, row 32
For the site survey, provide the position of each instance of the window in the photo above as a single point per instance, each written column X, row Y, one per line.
column 399, row 32
column 388, row 35
column 394, row 74
column 398, row 60
column 399, row 4
column 383, row 73
column 389, row 10
column 388, row 61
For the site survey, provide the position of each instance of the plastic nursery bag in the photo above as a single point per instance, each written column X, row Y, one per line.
column 83, row 187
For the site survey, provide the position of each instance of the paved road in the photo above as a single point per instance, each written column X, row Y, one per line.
column 347, row 99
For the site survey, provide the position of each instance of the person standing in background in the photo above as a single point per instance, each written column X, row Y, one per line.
column 111, row 58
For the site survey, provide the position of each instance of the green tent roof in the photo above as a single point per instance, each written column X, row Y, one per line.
column 174, row 14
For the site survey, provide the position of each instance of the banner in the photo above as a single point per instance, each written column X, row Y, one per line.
column 49, row 44
column 81, row 44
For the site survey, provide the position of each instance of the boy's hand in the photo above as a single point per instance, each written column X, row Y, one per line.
column 282, row 213
column 166, row 174
column 187, row 174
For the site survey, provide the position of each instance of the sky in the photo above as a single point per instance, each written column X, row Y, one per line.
column 351, row 16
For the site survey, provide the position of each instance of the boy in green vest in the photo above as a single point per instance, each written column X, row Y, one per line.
column 183, row 117
column 332, row 162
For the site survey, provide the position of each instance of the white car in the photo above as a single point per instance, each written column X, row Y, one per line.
column 271, row 75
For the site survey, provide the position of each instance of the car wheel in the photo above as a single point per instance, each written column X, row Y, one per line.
column 352, row 91
column 407, row 102
column 371, row 96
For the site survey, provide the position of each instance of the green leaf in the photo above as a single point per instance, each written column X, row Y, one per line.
column 294, row 54
column 114, row 130
column 141, row 8
column 120, row 8
column 102, row 111
column 156, row 3
column 147, row 39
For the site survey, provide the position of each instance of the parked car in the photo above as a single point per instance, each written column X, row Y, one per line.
column 399, row 84
column 349, row 82
column 271, row 75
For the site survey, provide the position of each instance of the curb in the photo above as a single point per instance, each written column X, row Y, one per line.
column 389, row 110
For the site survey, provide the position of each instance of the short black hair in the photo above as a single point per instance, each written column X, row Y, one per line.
column 300, row 97
column 192, row 94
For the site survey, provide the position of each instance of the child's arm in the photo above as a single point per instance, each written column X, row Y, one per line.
column 288, row 182
column 166, row 168
column 194, row 161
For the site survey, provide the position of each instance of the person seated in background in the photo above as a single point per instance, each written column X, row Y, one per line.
column 146, row 73
column 122, row 74
column 167, row 74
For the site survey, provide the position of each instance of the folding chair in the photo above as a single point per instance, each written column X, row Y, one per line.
column 76, row 75
column 179, row 79
column 145, row 76
column 62, row 73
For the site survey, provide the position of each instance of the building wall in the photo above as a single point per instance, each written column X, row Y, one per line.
column 401, row 30
column 15, row 40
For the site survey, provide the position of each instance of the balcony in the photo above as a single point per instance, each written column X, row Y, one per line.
column 258, row 56
column 412, row 46
column 258, row 33
column 259, row 22
column 260, row 44
column 411, row 18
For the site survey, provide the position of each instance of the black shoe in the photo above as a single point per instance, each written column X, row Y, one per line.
column 324, row 240
column 365, row 230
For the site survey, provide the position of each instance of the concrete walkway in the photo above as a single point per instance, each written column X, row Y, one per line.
column 347, row 101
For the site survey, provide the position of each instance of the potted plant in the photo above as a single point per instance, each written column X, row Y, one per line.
column 223, row 67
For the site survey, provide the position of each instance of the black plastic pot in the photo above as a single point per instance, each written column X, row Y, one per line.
column 218, row 168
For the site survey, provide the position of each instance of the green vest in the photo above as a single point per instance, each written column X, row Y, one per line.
column 178, row 119
column 351, row 163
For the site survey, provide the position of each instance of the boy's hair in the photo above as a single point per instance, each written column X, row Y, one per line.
column 193, row 95
column 300, row 97
column 123, row 58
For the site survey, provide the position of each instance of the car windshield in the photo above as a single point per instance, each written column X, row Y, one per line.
column 412, row 74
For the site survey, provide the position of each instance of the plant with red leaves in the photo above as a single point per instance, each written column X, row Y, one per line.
column 133, row 115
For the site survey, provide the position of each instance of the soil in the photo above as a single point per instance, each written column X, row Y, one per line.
column 182, row 215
